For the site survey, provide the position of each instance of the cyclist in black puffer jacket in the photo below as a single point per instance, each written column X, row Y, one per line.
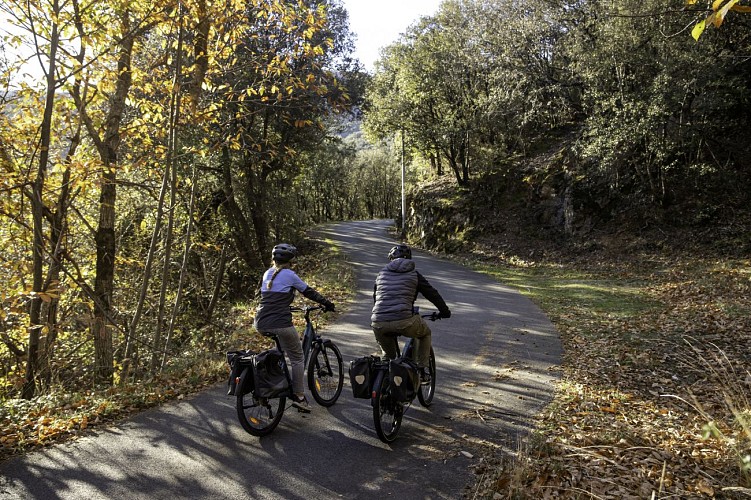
column 394, row 295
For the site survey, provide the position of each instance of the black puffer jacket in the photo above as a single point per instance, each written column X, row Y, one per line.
column 396, row 289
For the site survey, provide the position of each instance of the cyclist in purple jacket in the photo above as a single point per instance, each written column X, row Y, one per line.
column 273, row 316
column 394, row 294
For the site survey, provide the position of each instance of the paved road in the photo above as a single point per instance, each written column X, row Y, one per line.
column 496, row 358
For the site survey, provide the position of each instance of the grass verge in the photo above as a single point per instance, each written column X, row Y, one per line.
column 654, row 402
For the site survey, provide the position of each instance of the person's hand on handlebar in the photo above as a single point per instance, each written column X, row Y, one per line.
column 329, row 307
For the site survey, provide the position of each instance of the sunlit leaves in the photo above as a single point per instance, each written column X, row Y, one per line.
column 240, row 59
column 698, row 29
column 720, row 9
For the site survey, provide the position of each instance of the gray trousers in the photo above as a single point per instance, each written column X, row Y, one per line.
column 414, row 326
column 289, row 339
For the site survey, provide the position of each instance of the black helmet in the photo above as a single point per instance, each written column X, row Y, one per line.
column 400, row 251
column 283, row 252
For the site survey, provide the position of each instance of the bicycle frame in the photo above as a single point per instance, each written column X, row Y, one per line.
column 323, row 361
column 309, row 339
column 383, row 367
column 309, row 335
column 387, row 411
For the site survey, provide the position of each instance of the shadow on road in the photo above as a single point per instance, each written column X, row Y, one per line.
column 496, row 359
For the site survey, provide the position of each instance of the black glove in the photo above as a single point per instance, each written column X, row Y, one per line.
column 329, row 307
column 445, row 314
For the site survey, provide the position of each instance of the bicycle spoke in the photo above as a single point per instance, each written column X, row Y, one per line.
column 427, row 391
column 325, row 374
column 387, row 413
column 259, row 416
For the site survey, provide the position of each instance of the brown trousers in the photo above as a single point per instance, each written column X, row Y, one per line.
column 414, row 326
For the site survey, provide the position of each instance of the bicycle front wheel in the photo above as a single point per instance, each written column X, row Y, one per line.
column 258, row 416
column 387, row 413
column 427, row 391
column 325, row 374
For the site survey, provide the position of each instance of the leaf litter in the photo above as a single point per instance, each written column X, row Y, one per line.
column 651, row 404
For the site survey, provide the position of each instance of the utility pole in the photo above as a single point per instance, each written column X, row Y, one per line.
column 404, row 192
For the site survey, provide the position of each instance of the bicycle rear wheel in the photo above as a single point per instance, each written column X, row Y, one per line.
column 387, row 413
column 258, row 416
column 325, row 374
column 427, row 391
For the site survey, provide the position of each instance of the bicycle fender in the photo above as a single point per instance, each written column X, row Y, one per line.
column 377, row 383
column 246, row 377
column 326, row 342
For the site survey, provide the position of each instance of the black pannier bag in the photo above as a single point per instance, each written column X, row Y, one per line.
column 268, row 374
column 404, row 378
column 361, row 376
column 237, row 360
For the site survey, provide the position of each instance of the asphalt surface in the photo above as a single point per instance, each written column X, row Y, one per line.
column 497, row 360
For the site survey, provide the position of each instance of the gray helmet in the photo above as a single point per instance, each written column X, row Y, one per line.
column 400, row 251
column 283, row 252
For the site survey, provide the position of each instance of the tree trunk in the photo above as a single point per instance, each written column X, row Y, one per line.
column 183, row 268
column 259, row 215
column 105, row 233
column 172, row 167
column 465, row 159
column 104, row 281
column 58, row 231
column 57, row 243
column 435, row 160
column 37, row 210
column 201, row 50
column 454, row 164
column 133, row 336
column 240, row 228
column 217, row 284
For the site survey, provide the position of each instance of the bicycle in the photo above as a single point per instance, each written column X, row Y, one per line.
column 259, row 415
column 387, row 410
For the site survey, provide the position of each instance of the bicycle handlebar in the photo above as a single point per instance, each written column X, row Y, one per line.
column 432, row 316
column 307, row 309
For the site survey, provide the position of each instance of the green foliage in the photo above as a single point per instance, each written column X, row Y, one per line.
column 376, row 173
column 649, row 120
column 653, row 122
column 478, row 79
